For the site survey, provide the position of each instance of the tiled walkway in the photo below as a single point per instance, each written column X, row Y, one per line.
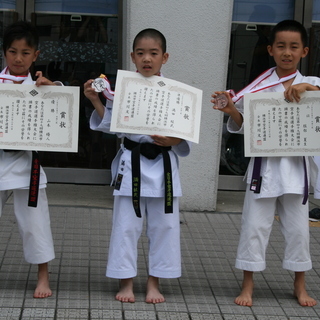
column 204, row 292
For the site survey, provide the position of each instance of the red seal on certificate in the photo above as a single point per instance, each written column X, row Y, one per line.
column 100, row 84
column 221, row 101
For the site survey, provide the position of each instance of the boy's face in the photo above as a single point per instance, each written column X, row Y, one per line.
column 148, row 57
column 287, row 50
column 19, row 57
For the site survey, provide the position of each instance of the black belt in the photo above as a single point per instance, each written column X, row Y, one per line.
column 34, row 178
column 150, row 151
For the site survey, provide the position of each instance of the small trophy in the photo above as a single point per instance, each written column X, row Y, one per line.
column 99, row 84
column 221, row 101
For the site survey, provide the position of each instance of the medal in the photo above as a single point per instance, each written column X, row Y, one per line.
column 100, row 84
column 221, row 101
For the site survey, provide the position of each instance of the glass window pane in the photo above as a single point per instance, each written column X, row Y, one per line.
column 314, row 51
column 101, row 7
column 314, row 42
column 248, row 58
column 258, row 11
column 73, row 52
column 8, row 4
column 252, row 23
column 316, row 11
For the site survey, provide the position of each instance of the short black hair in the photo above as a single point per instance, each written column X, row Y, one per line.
column 290, row 25
column 20, row 30
column 151, row 33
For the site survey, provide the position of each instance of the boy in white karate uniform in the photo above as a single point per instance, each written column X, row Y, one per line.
column 283, row 185
column 20, row 47
column 163, row 229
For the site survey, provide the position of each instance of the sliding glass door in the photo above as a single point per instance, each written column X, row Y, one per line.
column 248, row 57
column 78, row 41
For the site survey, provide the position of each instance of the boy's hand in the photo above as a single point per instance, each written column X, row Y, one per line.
column 164, row 141
column 229, row 108
column 89, row 92
column 43, row 81
column 293, row 92
column 93, row 96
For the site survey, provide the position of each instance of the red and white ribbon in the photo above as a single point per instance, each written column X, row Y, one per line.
column 5, row 76
column 251, row 87
column 108, row 93
column 13, row 78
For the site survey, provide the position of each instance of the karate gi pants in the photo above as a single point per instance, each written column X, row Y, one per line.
column 257, row 219
column 33, row 224
column 163, row 232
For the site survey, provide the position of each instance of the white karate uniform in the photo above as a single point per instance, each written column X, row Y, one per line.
column 317, row 186
column 163, row 230
column 33, row 223
column 282, row 190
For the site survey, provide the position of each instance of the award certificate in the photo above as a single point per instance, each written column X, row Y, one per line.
column 156, row 105
column 274, row 127
column 41, row 118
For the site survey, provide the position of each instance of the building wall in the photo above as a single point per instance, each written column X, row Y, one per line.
column 198, row 36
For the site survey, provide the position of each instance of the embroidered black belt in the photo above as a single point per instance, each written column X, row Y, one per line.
column 150, row 151
column 256, row 180
column 34, row 178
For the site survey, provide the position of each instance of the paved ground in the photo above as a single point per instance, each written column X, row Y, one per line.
column 81, row 222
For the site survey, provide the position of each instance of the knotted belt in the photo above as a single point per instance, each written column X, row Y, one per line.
column 256, row 180
column 150, row 151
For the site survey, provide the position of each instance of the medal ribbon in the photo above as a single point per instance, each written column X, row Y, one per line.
column 250, row 88
column 108, row 92
column 12, row 78
column 5, row 76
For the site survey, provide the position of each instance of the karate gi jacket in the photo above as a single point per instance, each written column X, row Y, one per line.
column 152, row 171
column 280, row 175
column 15, row 166
column 317, row 186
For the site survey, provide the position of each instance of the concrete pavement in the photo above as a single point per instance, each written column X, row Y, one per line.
column 81, row 225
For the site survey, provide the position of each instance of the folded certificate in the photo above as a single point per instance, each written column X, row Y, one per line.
column 156, row 105
column 274, row 127
column 41, row 118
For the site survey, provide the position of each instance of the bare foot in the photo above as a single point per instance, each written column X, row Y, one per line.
column 43, row 288
column 245, row 297
column 304, row 299
column 300, row 291
column 125, row 293
column 153, row 294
